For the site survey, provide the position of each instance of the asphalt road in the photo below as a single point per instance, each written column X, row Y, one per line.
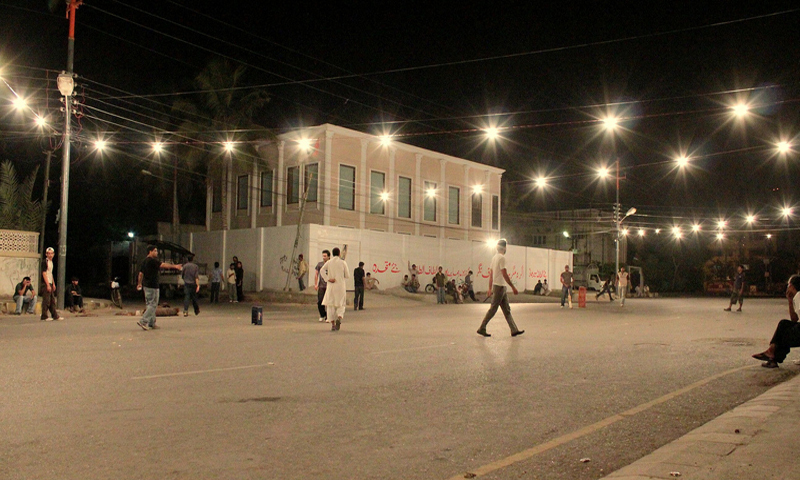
column 407, row 390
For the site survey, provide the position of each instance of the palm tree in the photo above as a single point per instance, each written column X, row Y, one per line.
column 222, row 110
column 18, row 210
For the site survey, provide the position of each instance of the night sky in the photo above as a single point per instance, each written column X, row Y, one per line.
column 435, row 76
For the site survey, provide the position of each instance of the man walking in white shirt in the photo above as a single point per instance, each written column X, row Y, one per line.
column 498, row 283
column 622, row 285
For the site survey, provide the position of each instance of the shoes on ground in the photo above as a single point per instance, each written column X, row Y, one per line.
column 321, row 319
column 154, row 327
column 185, row 314
column 518, row 332
column 763, row 357
column 770, row 364
column 338, row 323
column 727, row 309
column 142, row 326
column 483, row 333
column 738, row 309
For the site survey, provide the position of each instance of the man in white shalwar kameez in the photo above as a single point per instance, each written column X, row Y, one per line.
column 335, row 271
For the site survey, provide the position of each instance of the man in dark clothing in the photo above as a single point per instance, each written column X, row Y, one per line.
column 470, row 287
column 787, row 334
column 440, row 282
column 149, row 282
column 358, row 281
column 190, row 286
column 239, row 281
column 321, row 286
column 606, row 288
column 738, row 289
column 73, row 297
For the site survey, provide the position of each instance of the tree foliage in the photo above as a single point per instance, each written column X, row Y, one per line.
column 18, row 209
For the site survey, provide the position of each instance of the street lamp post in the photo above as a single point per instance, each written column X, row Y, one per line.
column 618, row 220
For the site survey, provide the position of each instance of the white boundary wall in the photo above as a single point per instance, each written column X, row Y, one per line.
column 265, row 252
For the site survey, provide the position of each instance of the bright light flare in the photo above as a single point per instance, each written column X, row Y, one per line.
column 100, row 145
column 541, row 182
column 720, row 236
column 740, row 110
column 769, row 235
column 228, row 146
column 696, row 228
column 682, row 161
column 431, row 192
column 566, row 234
column 492, row 133
column 624, row 232
column 158, row 147
column 786, row 211
column 658, row 231
column 610, row 123
column 384, row 196
column 19, row 103
column 750, row 218
column 676, row 231
column 641, row 232
column 604, row 172
column 131, row 235
column 477, row 189
column 304, row 144
column 386, row 140
column 722, row 224
column 783, row 147
column 40, row 121
column 491, row 243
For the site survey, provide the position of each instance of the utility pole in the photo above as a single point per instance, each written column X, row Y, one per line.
column 66, row 85
column 44, row 199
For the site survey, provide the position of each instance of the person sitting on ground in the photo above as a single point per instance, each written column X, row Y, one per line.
column 405, row 282
column 73, row 299
column 450, row 288
column 545, row 288
column 371, row 283
column 413, row 284
column 24, row 293
column 537, row 290
column 787, row 334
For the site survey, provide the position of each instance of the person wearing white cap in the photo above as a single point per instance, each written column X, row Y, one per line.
column 498, row 282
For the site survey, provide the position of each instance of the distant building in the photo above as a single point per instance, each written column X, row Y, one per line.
column 354, row 180
column 590, row 233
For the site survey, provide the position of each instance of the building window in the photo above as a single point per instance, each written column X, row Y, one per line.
column 453, row 205
column 539, row 240
column 377, row 186
column 312, row 181
column 266, row 188
column 429, row 205
column 293, row 185
column 242, row 192
column 477, row 210
column 495, row 212
column 216, row 196
column 347, row 187
column 404, row 197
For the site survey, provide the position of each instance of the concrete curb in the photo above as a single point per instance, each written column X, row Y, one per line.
column 754, row 440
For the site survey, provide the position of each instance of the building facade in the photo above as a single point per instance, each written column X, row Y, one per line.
column 355, row 180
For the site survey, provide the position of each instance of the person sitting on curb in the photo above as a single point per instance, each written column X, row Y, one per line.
column 24, row 293
column 74, row 300
column 787, row 334
column 371, row 283
column 413, row 284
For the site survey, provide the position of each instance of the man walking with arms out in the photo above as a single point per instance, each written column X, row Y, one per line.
column 335, row 271
column 566, row 286
column 49, row 290
column 148, row 281
column 321, row 286
column 499, row 281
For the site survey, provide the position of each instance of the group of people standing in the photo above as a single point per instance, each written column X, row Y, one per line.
column 621, row 279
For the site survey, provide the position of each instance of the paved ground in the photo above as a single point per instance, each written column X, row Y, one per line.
column 405, row 390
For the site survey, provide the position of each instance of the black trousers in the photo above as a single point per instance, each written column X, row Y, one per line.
column 72, row 301
column 48, row 304
column 358, row 300
column 214, row 292
column 323, row 313
column 786, row 337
